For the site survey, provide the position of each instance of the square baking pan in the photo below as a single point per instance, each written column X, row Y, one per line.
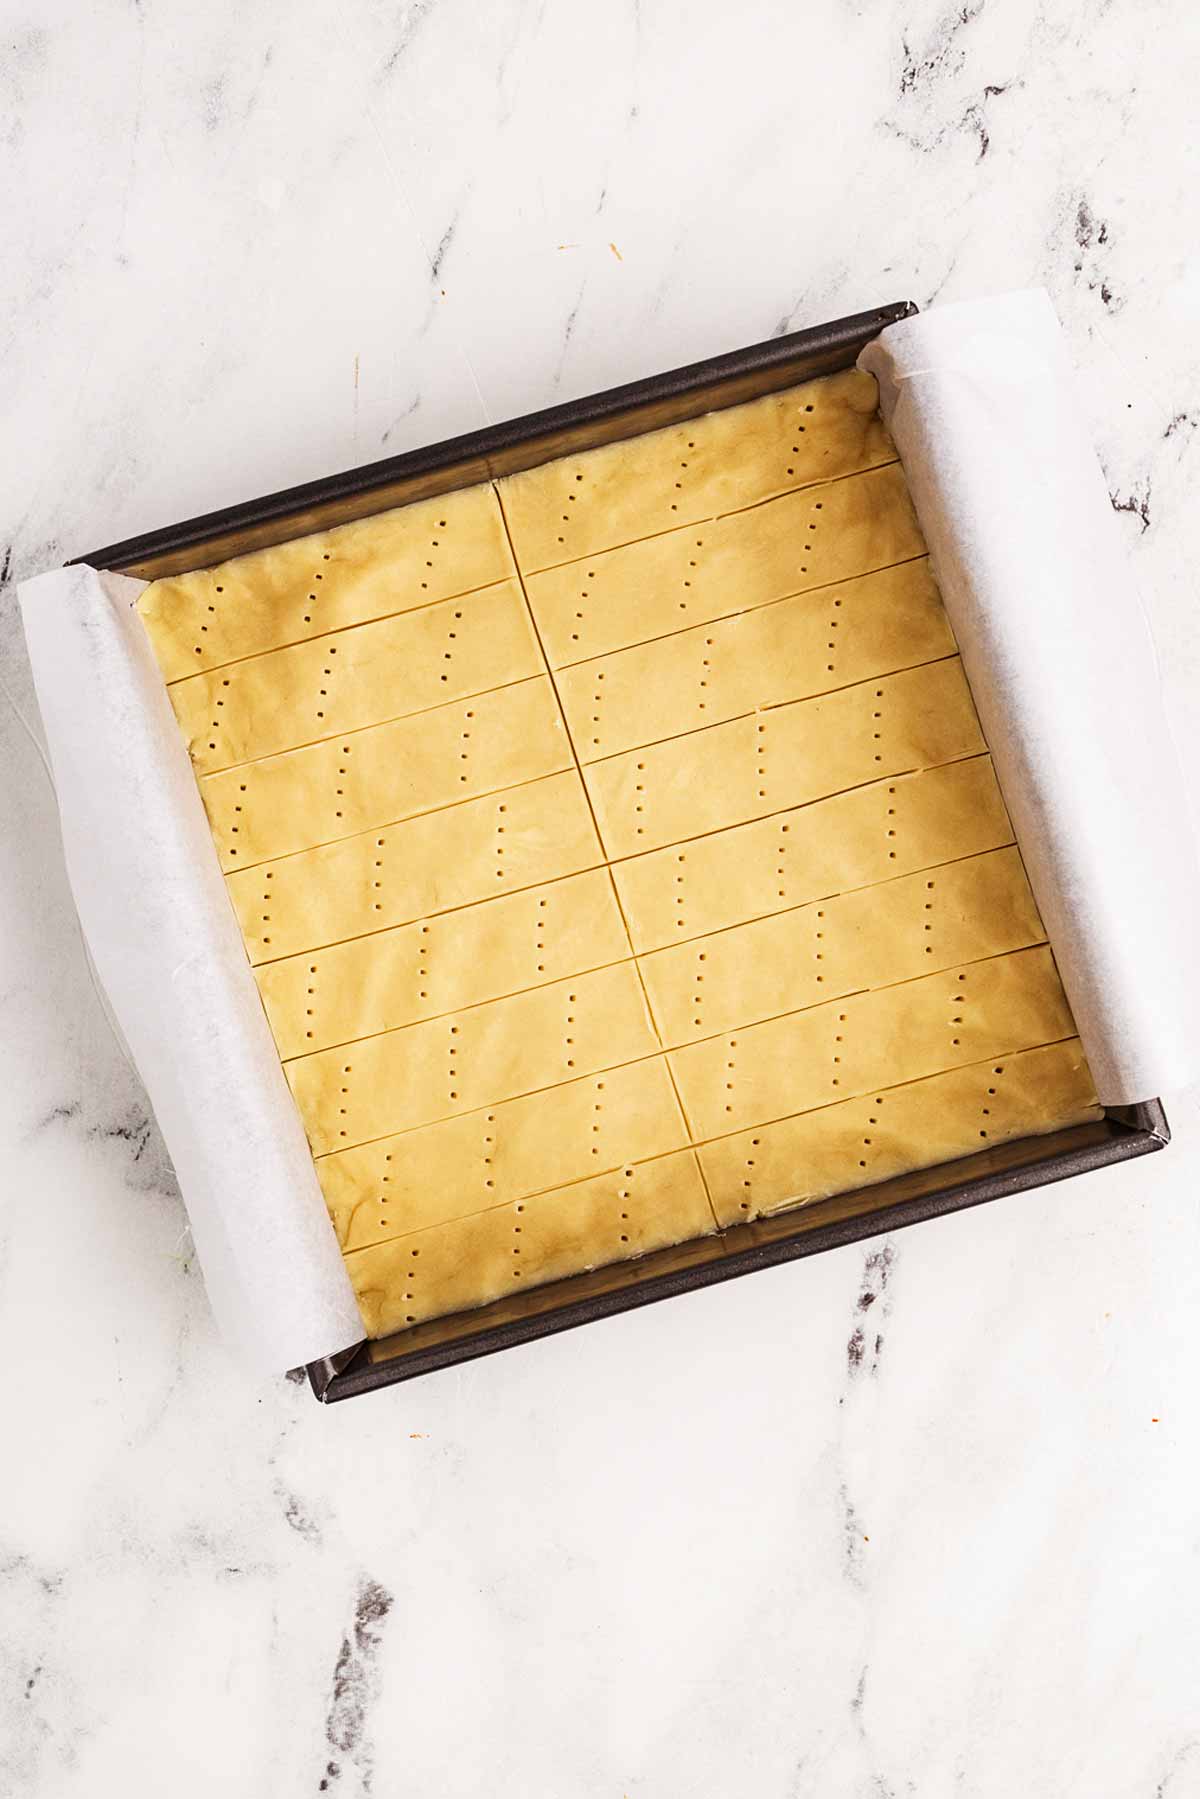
column 622, row 412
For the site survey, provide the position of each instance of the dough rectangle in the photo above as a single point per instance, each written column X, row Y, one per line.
column 788, row 650
column 671, row 792
column 828, row 847
column 793, row 1161
column 470, row 1261
column 506, row 1152
column 439, row 964
column 840, row 1049
column 578, row 504
column 385, row 773
column 394, row 562
column 724, row 565
column 874, row 937
column 356, row 678
column 403, row 872
column 475, row 1057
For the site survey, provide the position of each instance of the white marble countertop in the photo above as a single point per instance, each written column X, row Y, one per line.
column 917, row 1517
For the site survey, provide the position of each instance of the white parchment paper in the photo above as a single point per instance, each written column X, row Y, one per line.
column 979, row 397
column 167, row 949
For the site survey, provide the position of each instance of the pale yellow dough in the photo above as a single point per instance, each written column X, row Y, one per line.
column 854, row 839
column 448, row 960
column 356, row 678
column 872, row 938
column 626, row 894
column 301, row 798
column 393, row 562
column 474, row 1259
column 724, row 566
column 392, row 875
column 881, row 1039
column 786, row 651
column 472, row 1058
column 674, row 791
column 812, row 1155
column 507, row 1151
column 724, row 461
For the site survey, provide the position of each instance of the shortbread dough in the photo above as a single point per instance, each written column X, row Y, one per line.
column 789, row 650
column 446, row 961
column 877, row 936
column 356, row 678
column 717, row 569
column 613, row 894
column 394, row 874
column 882, row 1038
column 293, row 801
column 471, row 1260
column 684, row 788
column 698, row 470
column 375, row 567
column 502, row 1152
column 956, row 1113
column 468, row 1059
column 872, row 833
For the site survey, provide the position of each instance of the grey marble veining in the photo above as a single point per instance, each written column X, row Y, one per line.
column 914, row 1518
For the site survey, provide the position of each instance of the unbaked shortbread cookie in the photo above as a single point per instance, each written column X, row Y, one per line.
column 702, row 469
column 395, row 562
column 725, row 566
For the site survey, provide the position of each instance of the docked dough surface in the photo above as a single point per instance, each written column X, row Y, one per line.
column 614, row 888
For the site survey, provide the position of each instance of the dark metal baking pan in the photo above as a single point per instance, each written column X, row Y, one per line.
column 624, row 412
